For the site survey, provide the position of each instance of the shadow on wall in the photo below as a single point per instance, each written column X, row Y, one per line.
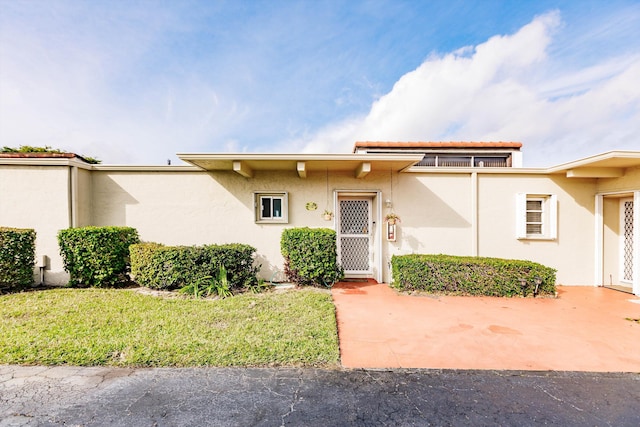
column 269, row 272
column 54, row 278
column 110, row 203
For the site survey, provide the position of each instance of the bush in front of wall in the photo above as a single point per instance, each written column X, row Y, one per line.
column 97, row 256
column 456, row 275
column 156, row 266
column 310, row 256
column 17, row 257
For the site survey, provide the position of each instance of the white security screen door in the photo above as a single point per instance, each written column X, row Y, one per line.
column 355, row 236
column 626, row 207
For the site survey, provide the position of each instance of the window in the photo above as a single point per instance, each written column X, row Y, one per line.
column 272, row 207
column 536, row 216
column 447, row 160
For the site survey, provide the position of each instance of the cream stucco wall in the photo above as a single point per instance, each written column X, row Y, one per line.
column 571, row 253
column 203, row 208
column 38, row 197
column 435, row 210
column 629, row 181
column 441, row 211
column 83, row 197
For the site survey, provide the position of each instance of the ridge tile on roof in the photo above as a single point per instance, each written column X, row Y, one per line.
column 434, row 144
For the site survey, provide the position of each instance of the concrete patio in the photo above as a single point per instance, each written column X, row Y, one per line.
column 584, row 329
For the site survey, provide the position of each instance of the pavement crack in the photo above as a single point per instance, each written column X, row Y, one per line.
column 294, row 401
column 560, row 400
column 571, row 405
column 407, row 397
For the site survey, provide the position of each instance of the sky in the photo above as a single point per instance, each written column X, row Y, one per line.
column 135, row 82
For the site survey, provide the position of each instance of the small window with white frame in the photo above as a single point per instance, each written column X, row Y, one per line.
column 536, row 216
column 271, row 207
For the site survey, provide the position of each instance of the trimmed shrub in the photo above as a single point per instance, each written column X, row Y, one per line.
column 96, row 256
column 454, row 275
column 310, row 256
column 17, row 257
column 171, row 267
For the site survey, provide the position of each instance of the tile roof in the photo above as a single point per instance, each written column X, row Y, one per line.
column 41, row 156
column 430, row 144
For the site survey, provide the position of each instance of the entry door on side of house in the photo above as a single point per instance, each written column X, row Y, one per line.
column 626, row 240
column 355, row 237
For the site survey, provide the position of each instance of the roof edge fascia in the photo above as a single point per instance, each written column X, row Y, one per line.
column 300, row 156
column 586, row 161
column 147, row 168
column 50, row 161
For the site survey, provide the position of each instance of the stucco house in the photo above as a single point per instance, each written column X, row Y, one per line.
column 459, row 198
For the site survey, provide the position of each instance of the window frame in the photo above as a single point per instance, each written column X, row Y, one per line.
column 548, row 216
column 259, row 196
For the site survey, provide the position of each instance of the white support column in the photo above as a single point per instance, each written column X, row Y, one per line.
column 474, row 213
column 598, row 241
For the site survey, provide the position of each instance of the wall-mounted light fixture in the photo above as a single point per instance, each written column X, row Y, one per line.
column 388, row 203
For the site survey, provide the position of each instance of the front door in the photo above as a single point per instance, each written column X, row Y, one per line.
column 355, row 242
column 626, row 226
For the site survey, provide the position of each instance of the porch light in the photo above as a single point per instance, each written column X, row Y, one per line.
column 538, row 282
column 388, row 203
column 523, row 285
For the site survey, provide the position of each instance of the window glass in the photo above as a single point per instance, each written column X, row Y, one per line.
column 277, row 207
column 266, row 207
column 534, row 216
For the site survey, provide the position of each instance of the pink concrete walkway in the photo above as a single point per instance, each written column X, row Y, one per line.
column 584, row 329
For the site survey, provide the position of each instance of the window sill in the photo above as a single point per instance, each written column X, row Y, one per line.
column 537, row 238
column 272, row 221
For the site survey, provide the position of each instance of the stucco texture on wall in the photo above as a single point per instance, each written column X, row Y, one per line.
column 204, row 208
column 571, row 253
column 38, row 197
column 435, row 212
column 628, row 182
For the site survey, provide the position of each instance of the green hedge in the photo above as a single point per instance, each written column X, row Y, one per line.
column 310, row 256
column 171, row 267
column 445, row 274
column 96, row 256
column 17, row 257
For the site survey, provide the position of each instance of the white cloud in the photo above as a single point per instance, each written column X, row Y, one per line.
column 71, row 79
column 506, row 89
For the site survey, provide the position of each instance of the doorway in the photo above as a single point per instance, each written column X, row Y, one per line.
column 357, row 237
column 626, row 241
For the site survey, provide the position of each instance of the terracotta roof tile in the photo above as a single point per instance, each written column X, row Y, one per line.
column 41, row 156
column 432, row 144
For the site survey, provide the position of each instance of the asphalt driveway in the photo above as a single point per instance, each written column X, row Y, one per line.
column 72, row 396
column 584, row 329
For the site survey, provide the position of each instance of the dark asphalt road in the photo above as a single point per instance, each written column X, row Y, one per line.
column 315, row 397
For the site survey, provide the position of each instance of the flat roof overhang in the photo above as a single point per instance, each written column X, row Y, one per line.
column 606, row 165
column 247, row 164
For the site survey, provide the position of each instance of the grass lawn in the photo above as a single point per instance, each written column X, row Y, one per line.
column 121, row 327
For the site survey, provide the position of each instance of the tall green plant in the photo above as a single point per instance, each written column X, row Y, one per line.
column 17, row 257
column 208, row 286
column 96, row 256
column 311, row 256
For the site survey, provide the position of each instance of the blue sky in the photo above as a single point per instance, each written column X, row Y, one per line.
column 138, row 81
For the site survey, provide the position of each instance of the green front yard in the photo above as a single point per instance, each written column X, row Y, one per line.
column 121, row 327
